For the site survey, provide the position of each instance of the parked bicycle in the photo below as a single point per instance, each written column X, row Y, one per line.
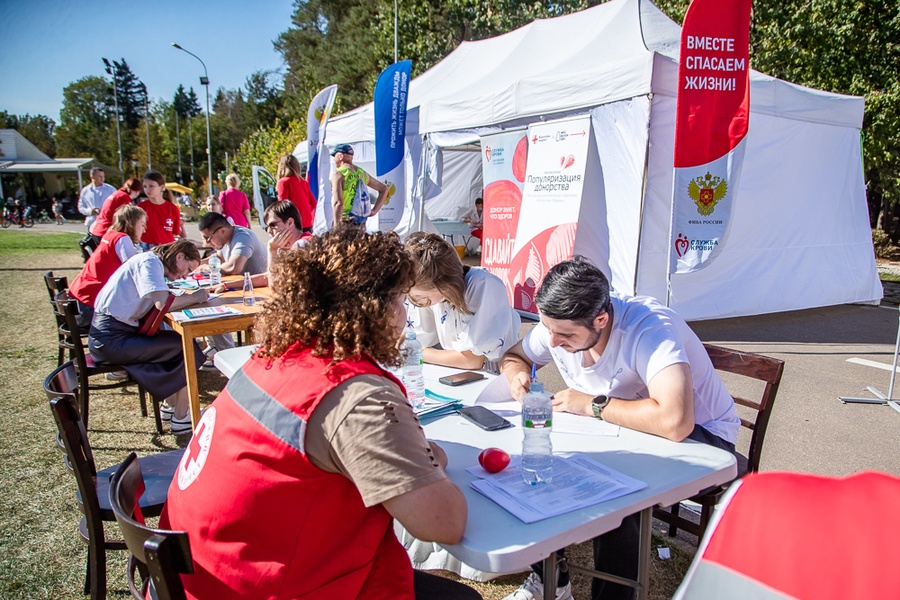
column 12, row 218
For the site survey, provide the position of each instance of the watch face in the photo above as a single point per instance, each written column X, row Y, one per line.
column 600, row 401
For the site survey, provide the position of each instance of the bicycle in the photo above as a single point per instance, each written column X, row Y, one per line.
column 12, row 218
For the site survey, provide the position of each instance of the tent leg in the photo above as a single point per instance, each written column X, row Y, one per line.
column 879, row 397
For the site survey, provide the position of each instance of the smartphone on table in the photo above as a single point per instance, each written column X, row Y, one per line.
column 484, row 418
column 461, row 378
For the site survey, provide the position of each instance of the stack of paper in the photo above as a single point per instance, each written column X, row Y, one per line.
column 577, row 482
column 436, row 406
column 207, row 312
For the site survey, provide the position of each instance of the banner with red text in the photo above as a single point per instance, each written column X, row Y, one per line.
column 712, row 119
column 503, row 171
column 551, row 203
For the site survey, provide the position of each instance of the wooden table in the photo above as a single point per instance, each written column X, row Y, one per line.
column 194, row 328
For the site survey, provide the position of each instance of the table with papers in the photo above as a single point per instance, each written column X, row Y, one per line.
column 497, row 541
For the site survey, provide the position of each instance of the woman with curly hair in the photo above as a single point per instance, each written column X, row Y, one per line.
column 156, row 362
column 312, row 450
column 463, row 309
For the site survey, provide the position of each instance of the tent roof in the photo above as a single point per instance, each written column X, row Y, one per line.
column 550, row 66
column 58, row 165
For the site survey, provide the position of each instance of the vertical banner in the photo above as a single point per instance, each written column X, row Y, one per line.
column 711, row 121
column 551, row 204
column 503, row 157
column 316, row 120
column 391, row 93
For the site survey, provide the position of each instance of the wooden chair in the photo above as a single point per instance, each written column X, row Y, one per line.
column 85, row 366
column 159, row 555
column 746, row 364
column 93, row 493
column 56, row 285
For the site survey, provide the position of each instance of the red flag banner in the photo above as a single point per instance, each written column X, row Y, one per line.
column 712, row 119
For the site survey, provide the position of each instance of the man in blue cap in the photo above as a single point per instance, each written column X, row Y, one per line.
column 350, row 196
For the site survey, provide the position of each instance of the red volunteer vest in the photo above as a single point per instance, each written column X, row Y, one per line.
column 98, row 269
column 104, row 220
column 263, row 521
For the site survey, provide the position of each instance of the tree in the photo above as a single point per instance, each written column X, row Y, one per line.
column 132, row 94
column 264, row 147
column 37, row 129
column 86, row 119
column 263, row 102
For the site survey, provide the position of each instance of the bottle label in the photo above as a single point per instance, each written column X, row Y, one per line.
column 529, row 424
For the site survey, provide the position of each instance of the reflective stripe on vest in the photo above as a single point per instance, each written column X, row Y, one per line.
column 267, row 411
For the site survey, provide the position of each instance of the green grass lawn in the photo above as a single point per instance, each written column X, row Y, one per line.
column 41, row 553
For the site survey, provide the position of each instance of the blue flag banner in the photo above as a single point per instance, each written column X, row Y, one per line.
column 391, row 92
column 316, row 119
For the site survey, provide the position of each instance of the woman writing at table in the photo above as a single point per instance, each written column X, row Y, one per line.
column 312, row 449
column 463, row 309
column 156, row 362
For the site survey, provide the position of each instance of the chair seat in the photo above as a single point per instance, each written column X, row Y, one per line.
column 158, row 469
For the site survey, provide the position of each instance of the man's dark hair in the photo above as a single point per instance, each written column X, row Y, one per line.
column 212, row 220
column 574, row 290
column 284, row 210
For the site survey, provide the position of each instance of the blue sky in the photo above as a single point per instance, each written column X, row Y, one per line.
column 47, row 44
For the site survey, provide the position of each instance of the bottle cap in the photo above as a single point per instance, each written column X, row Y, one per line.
column 410, row 335
column 537, row 386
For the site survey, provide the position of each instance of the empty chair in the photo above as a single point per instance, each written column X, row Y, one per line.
column 775, row 535
column 86, row 367
column 157, row 554
column 93, row 493
column 754, row 366
column 56, row 285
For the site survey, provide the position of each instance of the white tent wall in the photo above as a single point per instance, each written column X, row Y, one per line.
column 800, row 234
column 461, row 182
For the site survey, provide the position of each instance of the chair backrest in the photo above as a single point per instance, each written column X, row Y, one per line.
column 70, row 337
column 779, row 535
column 78, row 452
column 63, row 382
column 55, row 284
column 164, row 554
column 755, row 366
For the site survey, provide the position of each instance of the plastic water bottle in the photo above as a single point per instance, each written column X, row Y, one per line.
column 215, row 270
column 412, row 377
column 249, row 296
column 537, row 423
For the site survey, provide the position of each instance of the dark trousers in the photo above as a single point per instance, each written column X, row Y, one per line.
column 434, row 587
column 616, row 552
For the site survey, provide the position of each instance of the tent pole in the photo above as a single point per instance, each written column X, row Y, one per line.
column 637, row 255
column 881, row 398
column 416, row 190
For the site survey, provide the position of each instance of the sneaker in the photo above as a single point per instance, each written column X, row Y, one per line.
column 533, row 589
column 166, row 412
column 117, row 376
column 180, row 426
column 209, row 366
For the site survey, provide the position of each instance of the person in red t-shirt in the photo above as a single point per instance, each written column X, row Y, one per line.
column 234, row 202
column 126, row 194
column 292, row 187
column 163, row 216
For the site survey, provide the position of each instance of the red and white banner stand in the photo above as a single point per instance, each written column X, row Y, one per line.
column 544, row 225
column 712, row 118
column 503, row 170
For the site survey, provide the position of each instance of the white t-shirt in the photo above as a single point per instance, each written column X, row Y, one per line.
column 126, row 296
column 125, row 248
column 646, row 338
column 491, row 330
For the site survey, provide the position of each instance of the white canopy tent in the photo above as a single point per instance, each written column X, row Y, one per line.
column 800, row 236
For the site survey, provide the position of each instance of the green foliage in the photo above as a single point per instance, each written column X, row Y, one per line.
column 37, row 129
column 264, row 147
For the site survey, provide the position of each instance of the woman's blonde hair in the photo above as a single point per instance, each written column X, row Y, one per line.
column 337, row 295
column 288, row 165
column 126, row 219
column 232, row 180
column 438, row 267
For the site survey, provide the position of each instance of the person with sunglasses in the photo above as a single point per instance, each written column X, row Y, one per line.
column 349, row 189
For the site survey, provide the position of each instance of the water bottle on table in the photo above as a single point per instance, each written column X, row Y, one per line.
column 412, row 376
column 537, row 423
column 249, row 296
column 215, row 270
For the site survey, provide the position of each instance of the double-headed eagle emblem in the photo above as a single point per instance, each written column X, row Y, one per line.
column 706, row 191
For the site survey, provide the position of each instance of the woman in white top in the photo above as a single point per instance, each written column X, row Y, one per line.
column 465, row 310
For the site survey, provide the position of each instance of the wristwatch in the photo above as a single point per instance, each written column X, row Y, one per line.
column 598, row 404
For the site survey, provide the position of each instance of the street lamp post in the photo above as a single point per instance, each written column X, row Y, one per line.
column 205, row 82
column 111, row 73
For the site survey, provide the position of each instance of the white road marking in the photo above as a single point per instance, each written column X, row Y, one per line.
column 871, row 363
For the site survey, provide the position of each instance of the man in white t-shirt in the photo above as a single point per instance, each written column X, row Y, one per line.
column 627, row 360
column 93, row 196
